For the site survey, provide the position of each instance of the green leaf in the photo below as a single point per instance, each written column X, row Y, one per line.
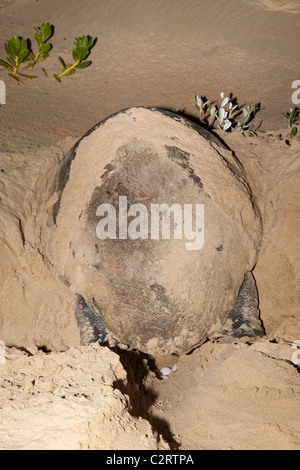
column 294, row 131
column 85, row 41
column 83, row 65
column 17, row 50
column 79, row 53
column 5, row 65
column 235, row 113
column 23, row 54
column 46, row 30
column 6, row 48
column 82, row 52
column 23, row 44
column 11, row 61
column 39, row 38
column 57, row 78
column 43, row 33
column 75, row 54
column 27, row 59
column 80, row 40
column 14, row 46
column 62, row 62
column 26, row 76
column 45, row 48
column 14, row 77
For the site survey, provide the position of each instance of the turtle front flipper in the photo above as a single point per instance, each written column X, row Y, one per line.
column 243, row 320
column 91, row 327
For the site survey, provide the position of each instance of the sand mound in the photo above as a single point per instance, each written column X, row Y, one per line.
column 234, row 397
column 223, row 395
column 69, row 400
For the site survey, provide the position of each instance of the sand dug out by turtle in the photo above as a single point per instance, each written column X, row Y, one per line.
column 153, row 226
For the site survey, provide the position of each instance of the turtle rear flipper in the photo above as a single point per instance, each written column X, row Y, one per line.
column 243, row 320
column 91, row 327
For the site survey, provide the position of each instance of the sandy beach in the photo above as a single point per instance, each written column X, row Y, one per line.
column 229, row 393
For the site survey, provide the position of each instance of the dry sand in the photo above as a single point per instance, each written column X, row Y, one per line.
column 227, row 394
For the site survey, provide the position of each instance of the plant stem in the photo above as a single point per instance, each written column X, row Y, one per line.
column 34, row 60
column 68, row 70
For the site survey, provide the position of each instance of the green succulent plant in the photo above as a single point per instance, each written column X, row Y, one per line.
column 81, row 51
column 42, row 35
column 18, row 53
column 224, row 114
column 292, row 117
